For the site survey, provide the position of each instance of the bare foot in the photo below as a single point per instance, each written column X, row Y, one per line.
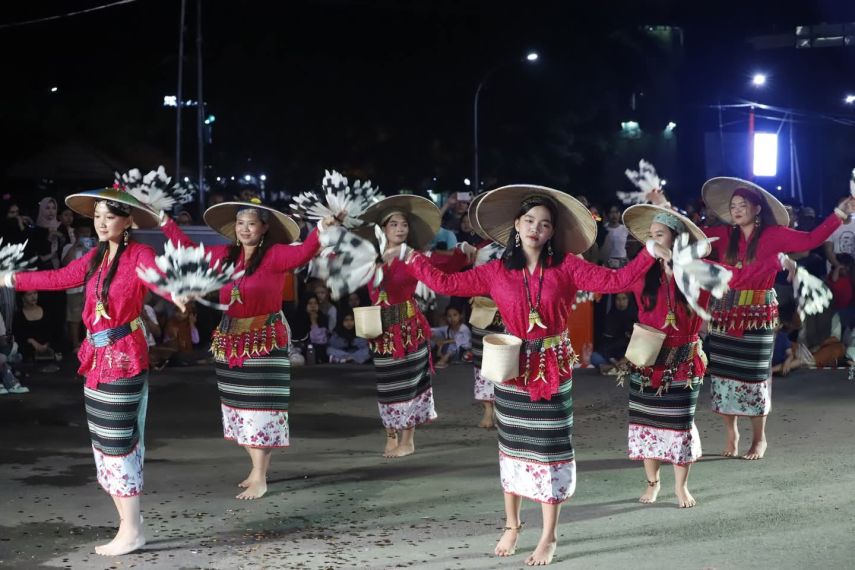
column 650, row 494
column 731, row 448
column 542, row 554
column 402, row 450
column 391, row 445
column 245, row 483
column 507, row 545
column 126, row 540
column 255, row 489
column 756, row 451
column 684, row 499
column 487, row 421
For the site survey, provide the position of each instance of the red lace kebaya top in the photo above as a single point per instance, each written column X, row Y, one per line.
column 688, row 323
column 773, row 240
column 399, row 286
column 126, row 357
column 260, row 329
column 507, row 289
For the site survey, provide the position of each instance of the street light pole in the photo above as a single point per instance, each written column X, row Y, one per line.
column 530, row 58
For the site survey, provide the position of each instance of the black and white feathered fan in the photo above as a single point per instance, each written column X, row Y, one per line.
column 154, row 189
column 811, row 293
column 12, row 257
column 692, row 274
column 488, row 253
column 337, row 198
column 852, row 184
column 645, row 179
column 346, row 262
column 581, row 298
column 188, row 271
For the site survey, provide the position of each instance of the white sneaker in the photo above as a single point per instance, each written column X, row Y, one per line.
column 19, row 390
column 3, row 390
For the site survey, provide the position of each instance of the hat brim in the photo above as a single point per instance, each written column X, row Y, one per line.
column 639, row 217
column 84, row 204
column 575, row 228
column 717, row 193
column 422, row 215
column 222, row 217
column 473, row 219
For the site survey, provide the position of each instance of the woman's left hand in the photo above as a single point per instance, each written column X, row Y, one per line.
column 848, row 205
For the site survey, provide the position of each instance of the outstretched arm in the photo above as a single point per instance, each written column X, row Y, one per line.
column 72, row 275
column 464, row 284
column 596, row 279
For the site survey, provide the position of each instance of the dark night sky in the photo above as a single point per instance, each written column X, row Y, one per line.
column 385, row 88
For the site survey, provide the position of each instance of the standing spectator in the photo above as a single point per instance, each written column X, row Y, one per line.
column 184, row 218
column 841, row 241
column 15, row 227
column 46, row 244
column 66, row 222
column 81, row 242
column 613, row 249
column 310, row 328
column 466, row 233
column 454, row 208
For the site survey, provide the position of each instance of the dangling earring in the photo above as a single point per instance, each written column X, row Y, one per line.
column 261, row 241
column 517, row 242
column 125, row 237
column 549, row 248
column 757, row 220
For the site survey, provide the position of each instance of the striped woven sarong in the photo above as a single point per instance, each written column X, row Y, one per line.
column 115, row 412
column 536, row 456
column 663, row 426
column 254, row 399
column 404, row 393
column 741, row 372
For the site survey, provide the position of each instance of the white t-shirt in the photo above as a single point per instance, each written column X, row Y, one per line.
column 843, row 238
column 615, row 243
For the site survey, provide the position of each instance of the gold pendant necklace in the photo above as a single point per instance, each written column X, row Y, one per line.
column 534, row 318
column 671, row 317
column 235, row 295
column 100, row 307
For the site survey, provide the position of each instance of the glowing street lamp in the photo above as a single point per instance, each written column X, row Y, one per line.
column 759, row 79
column 849, row 100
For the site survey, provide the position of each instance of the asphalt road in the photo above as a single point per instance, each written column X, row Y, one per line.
column 335, row 503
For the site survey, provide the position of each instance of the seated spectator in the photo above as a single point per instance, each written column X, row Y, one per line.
column 310, row 332
column 8, row 353
column 617, row 329
column 358, row 298
column 344, row 345
column 784, row 357
column 322, row 292
column 841, row 281
column 33, row 331
column 181, row 335
column 452, row 341
column 819, row 340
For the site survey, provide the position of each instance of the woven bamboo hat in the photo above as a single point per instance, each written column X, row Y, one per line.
column 638, row 218
column 575, row 228
column 473, row 219
column 422, row 216
column 222, row 217
column 717, row 193
column 84, row 204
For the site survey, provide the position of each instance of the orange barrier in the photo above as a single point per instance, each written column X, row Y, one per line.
column 580, row 326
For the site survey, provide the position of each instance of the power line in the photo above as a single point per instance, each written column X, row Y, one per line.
column 66, row 15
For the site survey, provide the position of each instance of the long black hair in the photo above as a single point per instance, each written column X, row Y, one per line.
column 513, row 257
column 251, row 264
column 764, row 219
column 652, row 282
column 103, row 251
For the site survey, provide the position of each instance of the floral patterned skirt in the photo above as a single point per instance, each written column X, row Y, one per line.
column 536, row 458
column 115, row 412
column 404, row 392
column 254, row 400
column 662, row 424
column 484, row 389
column 741, row 372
